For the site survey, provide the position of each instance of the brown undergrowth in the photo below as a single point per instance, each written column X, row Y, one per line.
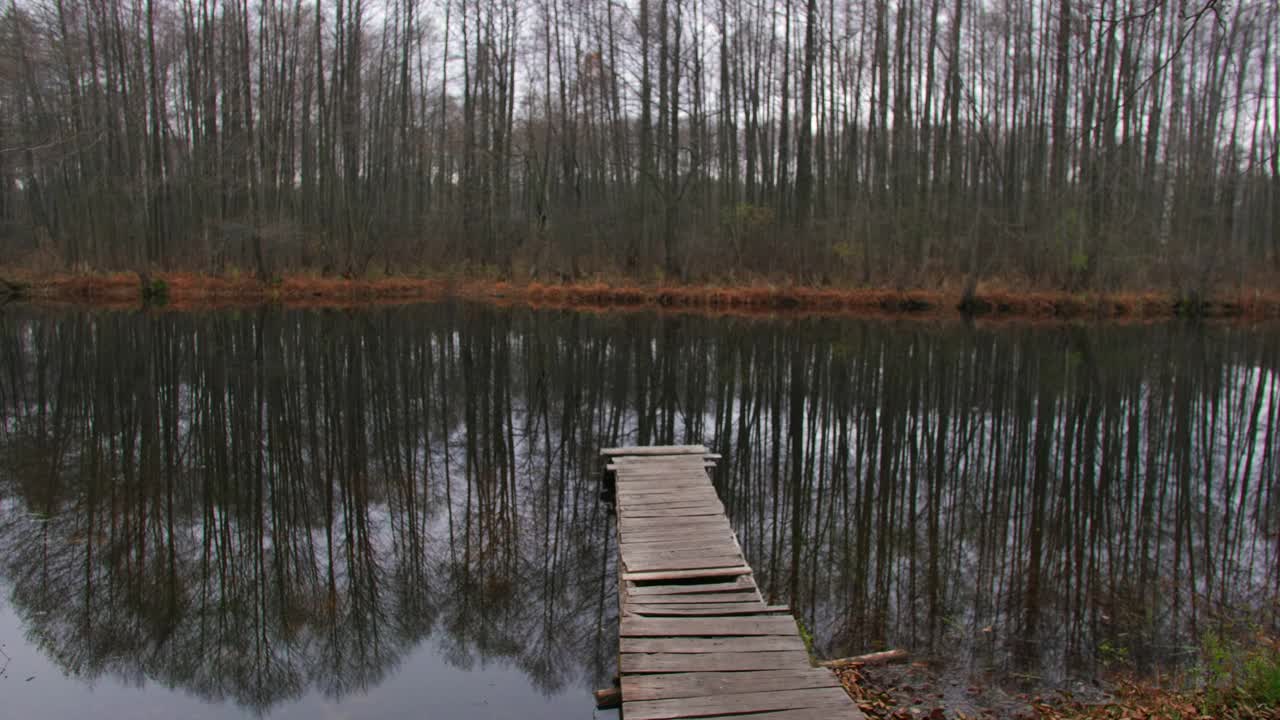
column 194, row 290
column 1126, row 698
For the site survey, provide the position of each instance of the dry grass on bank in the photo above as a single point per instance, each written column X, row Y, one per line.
column 191, row 290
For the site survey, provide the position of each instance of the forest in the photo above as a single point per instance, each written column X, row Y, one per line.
column 1071, row 144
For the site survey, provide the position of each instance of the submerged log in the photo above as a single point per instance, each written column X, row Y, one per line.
column 877, row 658
column 608, row 698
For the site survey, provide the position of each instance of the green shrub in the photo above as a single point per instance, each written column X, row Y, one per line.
column 1233, row 673
column 1261, row 682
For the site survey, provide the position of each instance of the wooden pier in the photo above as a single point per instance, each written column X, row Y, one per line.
column 696, row 637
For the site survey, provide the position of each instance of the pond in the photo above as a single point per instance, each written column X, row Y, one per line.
column 368, row 513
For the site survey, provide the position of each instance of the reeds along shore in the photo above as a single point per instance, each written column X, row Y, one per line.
column 181, row 290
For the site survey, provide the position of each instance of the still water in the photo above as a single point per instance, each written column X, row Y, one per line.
column 394, row 512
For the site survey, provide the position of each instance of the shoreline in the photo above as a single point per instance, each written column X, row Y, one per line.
column 182, row 290
column 918, row 692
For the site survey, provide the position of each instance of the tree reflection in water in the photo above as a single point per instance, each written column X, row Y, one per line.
column 252, row 505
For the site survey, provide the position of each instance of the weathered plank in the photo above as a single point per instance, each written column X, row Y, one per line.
column 741, row 583
column 703, row 645
column 827, row 697
column 716, row 545
column 695, row 610
column 688, row 598
column 673, row 484
column 652, row 450
column 657, row 492
column 669, row 474
column 650, row 535
column 711, row 662
column 678, row 574
column 632, row 528
column 677, row 479
column 734, row 627
column 675, row 526
column 679, row 685
column 672, row 495
column 719, row 551
column 677, row 503
column 710, row 538
column 706, row 464
column 649, row 563
column 673, row 513
column 630, row 524
column 664, row 472
column 689, row 456
column 670, row 503
column 804, row 714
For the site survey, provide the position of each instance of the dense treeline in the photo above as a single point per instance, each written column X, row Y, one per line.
column 255, row 506
column 1071, row 142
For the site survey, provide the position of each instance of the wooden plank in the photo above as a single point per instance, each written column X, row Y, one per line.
column 726, row 556
column 723, row 552
column 643, row 503
column 734, row 627
column 628, row 498
column 639, row 564
column 652, row 450
column 702, row 494
column 657, row 538
column 675, row 513
column 649, row 535
column 742, row 583
column 664, row 483
column 695, row 522
column 640, row 502
column 676, row 490
column 708, row 610
column 661, row 459
column 709, row 537
column 711, row 662
column 676, row 525
column 666, row 495
column 698, row 499
column 717, row 541
column 683, row 462
column 736, row 703
column 679, row 574
column 729, row 608
column 694, row 466
column 703, row 598
column 640, row 523
column 666, row 478
column 679, row 685
column 615, row 467
column 804, row 714
column 666, row 474
column 752, row 606
column 702, row 645
column 677, row 510
column 664, row 459
column 687, row 473
column 629, row 509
